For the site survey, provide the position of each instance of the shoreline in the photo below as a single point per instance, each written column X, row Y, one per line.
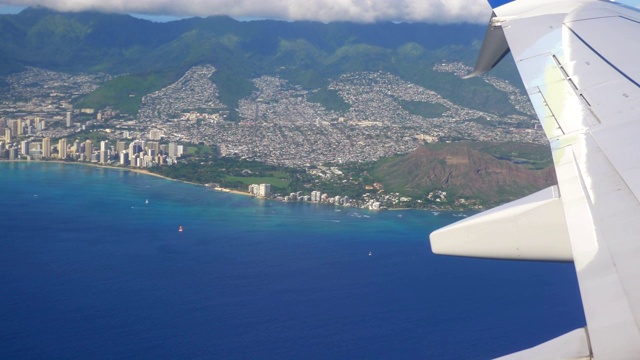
column 220, row 189
column 135, row 170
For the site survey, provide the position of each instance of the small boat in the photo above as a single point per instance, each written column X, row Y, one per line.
column 146, row 201
column 370, row 253
column 180, row 229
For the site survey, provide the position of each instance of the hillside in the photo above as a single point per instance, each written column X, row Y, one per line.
column 309, row 54
column 465, row 170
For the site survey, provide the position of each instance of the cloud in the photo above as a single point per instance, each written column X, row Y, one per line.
column 438, row 11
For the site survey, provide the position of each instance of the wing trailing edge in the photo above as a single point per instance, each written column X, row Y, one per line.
column 531, row 228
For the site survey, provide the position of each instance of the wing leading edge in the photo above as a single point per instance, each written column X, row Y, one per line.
column 577, row 60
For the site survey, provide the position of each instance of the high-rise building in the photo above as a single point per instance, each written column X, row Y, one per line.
column 62, row 149
column 88, row 149
column 265, row 190
column 19, row 127
column 69, row 121
column 124, row 158
column 40, row 124
column 173, row 149
column 132, row 149
column 13, row 125
column 7, row 135
column 13, row 153
column 135, row 148
column 24, row 147
column 46, row 147
column 77, row 148
column 104, row 152
column 120, row 146
column 154, row 145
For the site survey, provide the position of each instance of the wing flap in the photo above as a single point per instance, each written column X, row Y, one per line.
column 608, row 78
column 577, row 59
column 531, row 228
column 597, row 173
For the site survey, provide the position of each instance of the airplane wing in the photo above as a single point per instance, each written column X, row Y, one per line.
column 578, row 62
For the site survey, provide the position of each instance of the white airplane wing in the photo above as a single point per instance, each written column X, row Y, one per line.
column 579, row 61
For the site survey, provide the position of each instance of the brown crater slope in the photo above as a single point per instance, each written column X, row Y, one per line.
column 468, row 170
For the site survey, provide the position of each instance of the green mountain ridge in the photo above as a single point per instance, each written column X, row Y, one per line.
column 305, row 53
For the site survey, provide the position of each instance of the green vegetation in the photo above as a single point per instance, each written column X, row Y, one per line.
column 330, row 99
column 230, row 172
column 534, row 156
column 472, row 93
column 201, row 150
column 125, row 93
column 7, row 67
column 232, row 88
column 95, row 136
column 238, row 174
column 153, row 55
column 353, row 182
column 277, row 182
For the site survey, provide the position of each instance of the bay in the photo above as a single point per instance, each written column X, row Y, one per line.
column 92, row 265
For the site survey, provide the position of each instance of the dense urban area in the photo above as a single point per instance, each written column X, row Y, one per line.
column 279, row 126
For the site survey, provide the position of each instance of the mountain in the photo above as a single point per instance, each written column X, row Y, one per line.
column 309, row 54
column 469, row 170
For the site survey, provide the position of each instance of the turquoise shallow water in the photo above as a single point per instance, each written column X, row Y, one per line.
column 88, row 269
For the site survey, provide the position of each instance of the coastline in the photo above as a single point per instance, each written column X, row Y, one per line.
column 139, row 171
column 208, row 186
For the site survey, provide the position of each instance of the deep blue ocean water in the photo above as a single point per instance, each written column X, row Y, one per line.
column 89, row 270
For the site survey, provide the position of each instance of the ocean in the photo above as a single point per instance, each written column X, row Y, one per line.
column 93, row 266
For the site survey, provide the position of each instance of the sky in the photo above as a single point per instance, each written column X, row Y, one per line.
column 364, row 11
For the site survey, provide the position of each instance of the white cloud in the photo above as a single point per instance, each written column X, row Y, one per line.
column 439, row 11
